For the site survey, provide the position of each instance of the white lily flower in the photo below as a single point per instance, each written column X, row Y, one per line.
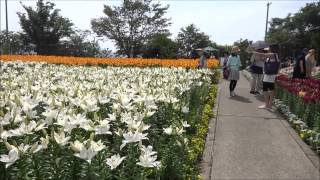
column 44, row 142
column 87, row 150
column 86, row 154
column 131, row 137
column 40, row 126
column 112, row 117
column 50, row 114
column 168, row 130
column 132, row 124
column 18, row 118
column 114, row 161
column 36, row 147
column 179, row 131
column 77, row 146
column 150, row 113
column 90, row 105
column 24, row 129
column 11, row 158
column 28, row 103
column 61, row 139
column 31, row 114
column 4, row 135
column 147, row 150
column 88, row 126
column 185, row 110
column 6, row 119
column 143, row 127
column 104, row 100
column 148, row 161
column 103, row 127
column 23, row 148
column 97, row 146
column 185, row 124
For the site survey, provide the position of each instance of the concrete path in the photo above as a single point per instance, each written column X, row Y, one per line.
column 245, row 142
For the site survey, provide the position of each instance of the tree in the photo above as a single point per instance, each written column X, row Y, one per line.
column 244, row 56
column 12, row 43
column 160, row 46
column 44, row 27
column 78, row 45
column 131, row 24
column 190, row 38
column 298, row 31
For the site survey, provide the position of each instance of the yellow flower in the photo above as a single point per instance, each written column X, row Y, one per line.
column 302, row 93
column 302, row 135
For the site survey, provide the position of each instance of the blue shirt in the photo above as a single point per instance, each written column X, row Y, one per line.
column 234, row 62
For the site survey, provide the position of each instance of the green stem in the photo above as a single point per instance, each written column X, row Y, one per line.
column 89, row 171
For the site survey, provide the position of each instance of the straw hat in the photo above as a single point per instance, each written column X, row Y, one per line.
column 235, row 49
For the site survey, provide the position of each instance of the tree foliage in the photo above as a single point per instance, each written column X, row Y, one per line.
column 189, row 39
column 244, row 55
column 44, row 27
column 297, row 31
column 160, row 46
column 13, row 43
column 78, row 44
column 131, row 24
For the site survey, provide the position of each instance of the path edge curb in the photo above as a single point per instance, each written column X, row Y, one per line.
column 207, row 156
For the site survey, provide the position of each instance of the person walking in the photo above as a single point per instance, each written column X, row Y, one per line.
column 256, row 70
column 271, row 68
column 233, row 64
column 203, row 60
column 310, row 62
column 299, row 70
column 224, row 65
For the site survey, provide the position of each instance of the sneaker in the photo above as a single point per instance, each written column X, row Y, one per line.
column 269, row 107
column 262, row 107
column 257, row 93
column 252, row 92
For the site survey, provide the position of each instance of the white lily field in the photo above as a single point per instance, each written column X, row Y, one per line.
column 91, row 122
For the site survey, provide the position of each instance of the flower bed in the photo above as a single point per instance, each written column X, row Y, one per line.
column 289, row 70
column 302, row 96
column 136, row 62
column 76, row 122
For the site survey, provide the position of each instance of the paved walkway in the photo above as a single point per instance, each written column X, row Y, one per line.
column 245, row 142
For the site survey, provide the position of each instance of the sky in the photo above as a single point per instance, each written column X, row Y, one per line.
column 224, row 21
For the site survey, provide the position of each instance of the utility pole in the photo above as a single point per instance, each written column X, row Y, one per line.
column 265, row 35
column 6, row 4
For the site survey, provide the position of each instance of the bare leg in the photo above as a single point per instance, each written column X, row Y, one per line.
column 253, row 81
column 266, row 97
column 266, row 100
column 271, row 93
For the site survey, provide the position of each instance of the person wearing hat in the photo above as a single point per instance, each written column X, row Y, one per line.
column 203, row 60
column 271, row 68
column 234, row 65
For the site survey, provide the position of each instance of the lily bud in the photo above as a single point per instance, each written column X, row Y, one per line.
column 8, row 146
column 74, row 148
column 35, row 148
column 91, row 136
